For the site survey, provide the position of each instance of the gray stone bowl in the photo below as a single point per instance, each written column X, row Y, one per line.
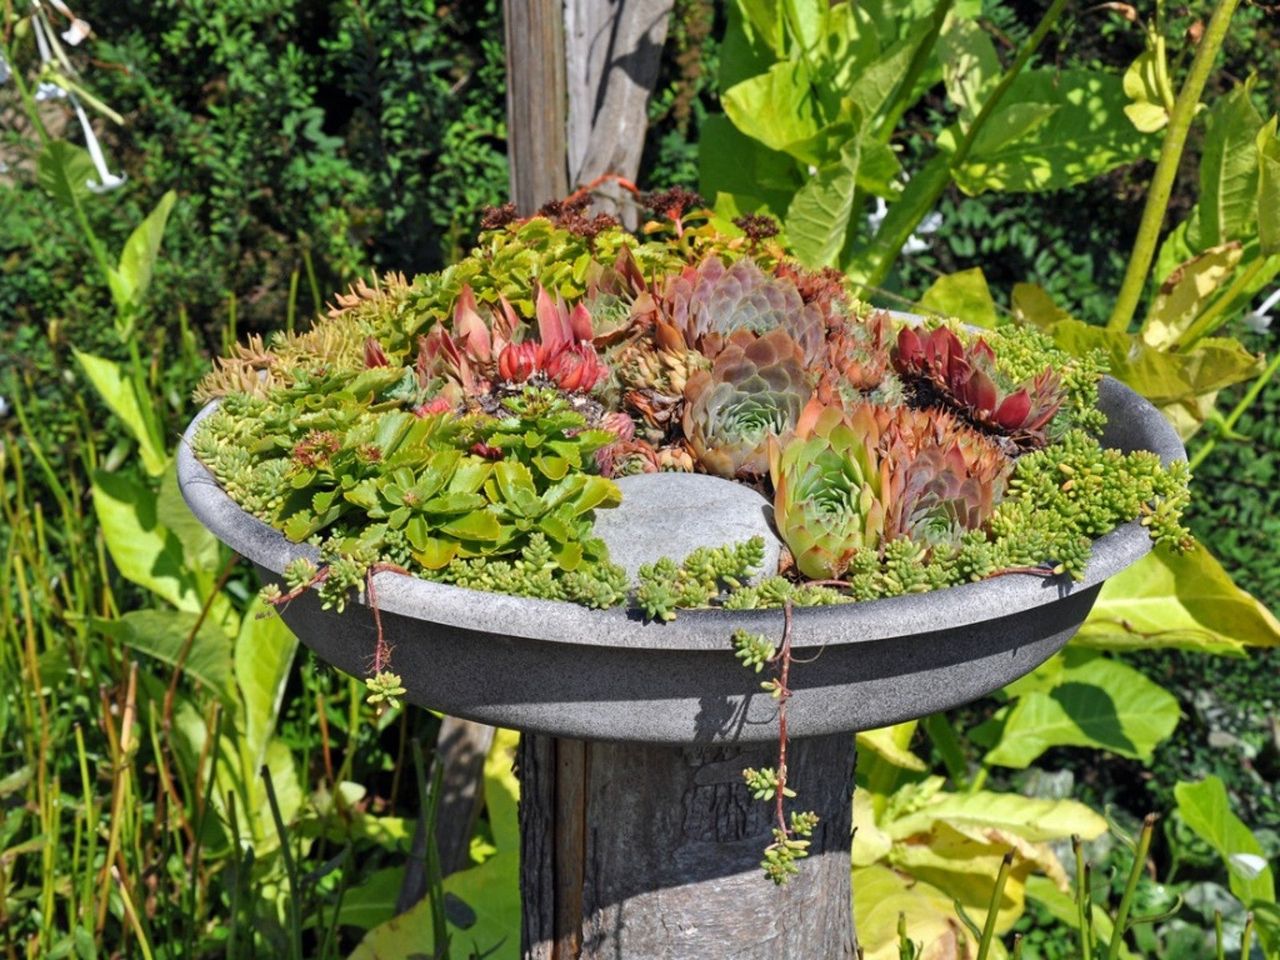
column 560, row 669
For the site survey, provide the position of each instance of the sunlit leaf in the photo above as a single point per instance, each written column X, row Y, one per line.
column 964, row 295
column 970, row 67
column 1228, row 171
column 263, row 657
column 143, row 551
column 1086, row 135
column 1269, row 188
column 817, row 220
column 1101, row 703
column 1182, row 600
column 880, row 895
column 117, row 391
column 1186, row 292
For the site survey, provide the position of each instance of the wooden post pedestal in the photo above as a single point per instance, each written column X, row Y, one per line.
column 640, row 851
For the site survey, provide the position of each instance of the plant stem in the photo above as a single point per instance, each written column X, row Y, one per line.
column 1175, row 138
column 993, row 911
column 1228, row 424
column 290, row 867
column 1131, row 888
column 1084, row 915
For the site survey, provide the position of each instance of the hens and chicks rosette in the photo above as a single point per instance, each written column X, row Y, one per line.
column 465, row 426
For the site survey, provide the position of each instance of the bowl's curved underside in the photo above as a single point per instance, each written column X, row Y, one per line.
column 561, row 669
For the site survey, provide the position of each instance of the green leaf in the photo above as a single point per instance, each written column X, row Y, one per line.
column 818, row 218
column 143, row 551
column 970, row 67
column 886, row 744
column 1269, row 188
column 1228, row 171
column 1086, row 136
column 478, row 525
column 1010, row 123
column 751, row 41
column 1205, row 808
column 118, row 392
column 64, row 171
column 1186, row 601
column 200, row 548
column 1100, row 703
column 138, row 259
column 879, row 170
column 163, row 634
column 872, row 89
column 263, row 657
column 964, row 295
column 777, row 108
column 1186, row 292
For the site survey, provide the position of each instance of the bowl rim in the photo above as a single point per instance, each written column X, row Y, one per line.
column 559, row 621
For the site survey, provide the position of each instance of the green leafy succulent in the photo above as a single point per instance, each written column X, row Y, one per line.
column 830, row 489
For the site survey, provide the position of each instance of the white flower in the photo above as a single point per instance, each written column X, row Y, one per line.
column 1259, row 320
column 106, row 179
column 4, row 407
column 4, row 69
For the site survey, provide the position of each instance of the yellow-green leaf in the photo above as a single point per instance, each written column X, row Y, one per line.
column 1101, row 703
column 1033, row 819
column 1182, row 600
column 880, row 895
column 1033, row 305
column 117, row 391
column 964, row 295
column 885, row 744
column 1146, row 84
column 1186, row 292
column 1228, row 171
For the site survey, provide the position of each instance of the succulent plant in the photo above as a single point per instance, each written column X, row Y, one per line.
column 857, row 356
column 659, row 360
column 966, row 379
column 831, row 487
column 754, row 390
column 710, row 302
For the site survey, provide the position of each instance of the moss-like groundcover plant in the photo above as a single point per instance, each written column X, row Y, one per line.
column 464, row 427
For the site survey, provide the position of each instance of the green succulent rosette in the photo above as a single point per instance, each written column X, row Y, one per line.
column 831, row 488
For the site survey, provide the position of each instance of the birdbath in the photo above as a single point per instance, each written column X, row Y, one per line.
column 638, row 837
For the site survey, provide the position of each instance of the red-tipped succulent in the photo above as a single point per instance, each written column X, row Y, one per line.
column 966, row 378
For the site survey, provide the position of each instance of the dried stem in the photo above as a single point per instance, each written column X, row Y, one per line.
column 783, row 660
